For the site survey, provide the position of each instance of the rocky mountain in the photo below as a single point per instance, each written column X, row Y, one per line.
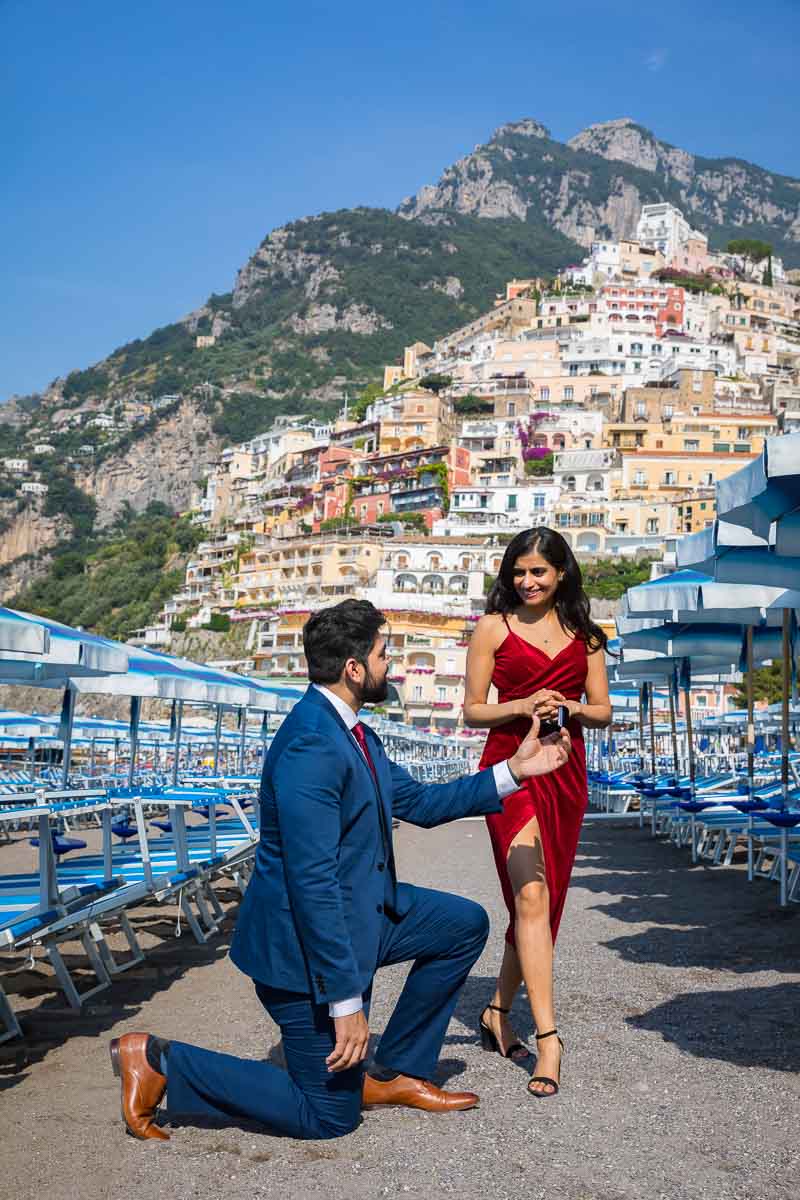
column 325, row 301
column 595, row 184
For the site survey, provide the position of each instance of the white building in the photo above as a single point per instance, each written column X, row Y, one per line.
column 477, row 511
column 43, row 448
column 663, row 227
column 585, row 473
column 19, row 465
column 425, row 576
column 101, row 421
column 34, row 489
column 165, row 401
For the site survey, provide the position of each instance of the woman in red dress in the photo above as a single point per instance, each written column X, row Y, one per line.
column 539, row 647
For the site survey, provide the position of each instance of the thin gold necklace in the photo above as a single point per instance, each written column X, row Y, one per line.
column 545, row 639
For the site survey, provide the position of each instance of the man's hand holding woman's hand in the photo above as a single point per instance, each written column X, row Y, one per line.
column 539, row 756
column 352, row 1041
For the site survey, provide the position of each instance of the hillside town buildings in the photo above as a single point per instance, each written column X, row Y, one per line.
column 606, row 403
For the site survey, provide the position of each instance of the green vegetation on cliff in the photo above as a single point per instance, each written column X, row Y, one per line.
column 610, row 578
column 115, row 582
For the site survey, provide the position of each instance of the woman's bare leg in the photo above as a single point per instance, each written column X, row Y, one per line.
column 508, row 982
column 526, row 870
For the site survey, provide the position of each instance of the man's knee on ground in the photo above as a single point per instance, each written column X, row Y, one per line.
column 340, row 1127
column 532, row 902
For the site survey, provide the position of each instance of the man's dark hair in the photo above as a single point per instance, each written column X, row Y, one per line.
column 332, row 635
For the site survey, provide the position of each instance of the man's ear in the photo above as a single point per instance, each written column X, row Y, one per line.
column 350, row 669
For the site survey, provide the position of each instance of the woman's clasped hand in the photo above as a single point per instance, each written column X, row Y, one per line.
column 543, row 704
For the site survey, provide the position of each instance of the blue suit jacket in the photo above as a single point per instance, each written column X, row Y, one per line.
column 311, row 917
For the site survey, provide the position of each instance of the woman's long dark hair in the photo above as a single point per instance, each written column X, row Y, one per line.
column 571, row 601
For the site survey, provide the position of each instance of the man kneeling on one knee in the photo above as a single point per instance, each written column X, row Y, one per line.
column 324, row 909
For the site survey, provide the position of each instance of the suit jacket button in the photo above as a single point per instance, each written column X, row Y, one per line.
column 381, row 866
column 379, row 908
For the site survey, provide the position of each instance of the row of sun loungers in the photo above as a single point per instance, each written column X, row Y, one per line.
column 82, row 897
column 713, row 816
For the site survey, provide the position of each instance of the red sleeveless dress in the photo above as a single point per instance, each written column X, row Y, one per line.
column 558, row 800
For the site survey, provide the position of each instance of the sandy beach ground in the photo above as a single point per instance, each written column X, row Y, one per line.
column 678, row 999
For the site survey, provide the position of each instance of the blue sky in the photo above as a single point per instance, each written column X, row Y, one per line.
column 149, row 146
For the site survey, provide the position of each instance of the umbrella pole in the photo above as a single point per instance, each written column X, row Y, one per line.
column 641, row 726
column 65, row 729
column 177, row 748
column 687, row 692
column 786, row 679
column 673, row 729
column 242, row 737
column 136, row 709
column 751, row 748
column 217, row 738
column 652, row 730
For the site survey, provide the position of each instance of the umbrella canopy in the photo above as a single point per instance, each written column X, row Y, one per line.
column 766, row 489
column 69, row 653
column 743, row 565
column 22, row 724
column 698, row 641
column 690, row 595
column 167, row 677
column 699, row 551
column 22, row 635
column 660, row 668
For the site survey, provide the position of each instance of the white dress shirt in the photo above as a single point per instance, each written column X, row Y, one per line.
column 504, row 782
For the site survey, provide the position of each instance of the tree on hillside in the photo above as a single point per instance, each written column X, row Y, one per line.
column 752, row 250
column 357, row 410
column 472, row 405
column 767, row 685
column 436, row 383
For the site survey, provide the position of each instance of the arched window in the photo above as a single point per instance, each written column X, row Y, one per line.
column 432, row 583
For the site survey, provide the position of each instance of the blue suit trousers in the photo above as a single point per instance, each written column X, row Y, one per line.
column 442, row 935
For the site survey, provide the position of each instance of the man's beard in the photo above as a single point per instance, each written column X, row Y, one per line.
column 374, row 692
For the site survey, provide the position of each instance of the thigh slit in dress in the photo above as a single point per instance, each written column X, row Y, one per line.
column 558, row 801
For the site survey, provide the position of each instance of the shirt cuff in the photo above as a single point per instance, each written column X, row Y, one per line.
column 345, row 1008
column 504, row 780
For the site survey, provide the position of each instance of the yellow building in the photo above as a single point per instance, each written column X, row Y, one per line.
column 427, row 654
column 695, row 512
column 288, row 572
column 413, row 419
column 665, row 473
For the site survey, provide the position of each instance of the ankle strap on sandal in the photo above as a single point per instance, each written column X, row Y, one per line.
column 540, row 1036
column 497, row 1008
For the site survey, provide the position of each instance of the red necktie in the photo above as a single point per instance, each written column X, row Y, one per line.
column 361, row 738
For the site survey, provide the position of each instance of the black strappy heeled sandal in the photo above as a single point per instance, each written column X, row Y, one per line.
column 490, row 1041
column 554, row 1083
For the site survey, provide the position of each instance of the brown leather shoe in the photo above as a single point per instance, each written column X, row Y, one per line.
column 142, row 1087
column 414, row 1093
